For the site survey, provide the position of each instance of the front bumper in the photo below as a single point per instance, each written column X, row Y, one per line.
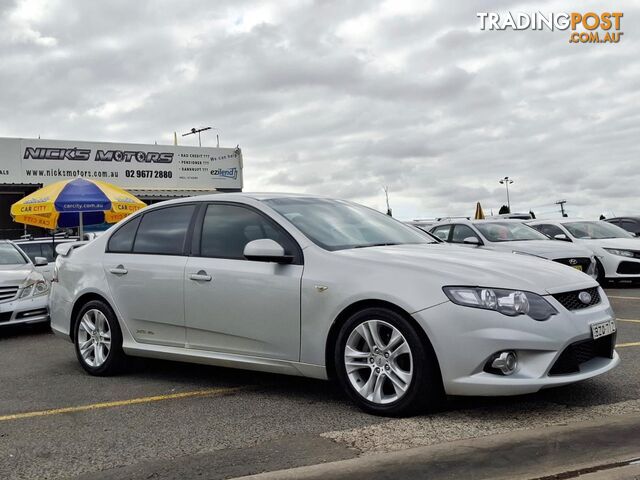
column 27, row 310
column 465, row 339
column 617, row 267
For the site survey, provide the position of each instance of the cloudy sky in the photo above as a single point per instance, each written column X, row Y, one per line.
column 342, row 97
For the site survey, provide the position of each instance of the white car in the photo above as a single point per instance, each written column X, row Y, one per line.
column 513, row 236
column 326, row 288
column 23, row 290
column 616, row 250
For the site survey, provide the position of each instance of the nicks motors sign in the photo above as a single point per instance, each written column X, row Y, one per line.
column 82, row 154
column 132, row 166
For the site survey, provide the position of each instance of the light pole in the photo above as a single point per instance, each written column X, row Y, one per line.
column 197, row 130
column 507, row 181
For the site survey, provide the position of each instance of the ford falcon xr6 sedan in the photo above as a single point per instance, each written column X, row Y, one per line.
column 326, row 288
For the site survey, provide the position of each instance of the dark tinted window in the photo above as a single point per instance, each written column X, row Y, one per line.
column 48, row 252
column 227, row 229
column 630, row 226
column 32, row 250
column 122, row 240
column 460, row 232
column 164, row 231
column 442, row 232
column 549, row 230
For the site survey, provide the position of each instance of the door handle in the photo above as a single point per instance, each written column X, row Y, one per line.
column 119, row 270
column 201, row 276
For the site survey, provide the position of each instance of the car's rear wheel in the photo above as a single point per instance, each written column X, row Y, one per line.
column 98, row 339
column 385, row 366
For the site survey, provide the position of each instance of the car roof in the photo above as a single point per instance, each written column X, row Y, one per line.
column 487, row 220
column 562, row 220
column 627, row 217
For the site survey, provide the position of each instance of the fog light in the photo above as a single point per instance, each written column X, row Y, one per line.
column 506, row 362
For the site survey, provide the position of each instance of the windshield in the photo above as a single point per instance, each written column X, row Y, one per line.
column 596, row 230
column 338, row 225
column 9, row 255
column 508, row 232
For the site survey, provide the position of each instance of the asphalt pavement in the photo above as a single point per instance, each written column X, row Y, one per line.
column 173, row 420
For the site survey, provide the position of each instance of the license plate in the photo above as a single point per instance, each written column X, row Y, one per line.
column 602, row 329
column 578, row 267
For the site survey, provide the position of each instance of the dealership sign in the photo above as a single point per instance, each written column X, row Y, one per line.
column 127, row 165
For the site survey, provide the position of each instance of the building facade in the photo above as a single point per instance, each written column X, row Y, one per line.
column 151, row 172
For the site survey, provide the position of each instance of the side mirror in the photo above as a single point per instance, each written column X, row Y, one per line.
column 471, row 241
column 562, row 237
column 40, row 262
column 266, row 250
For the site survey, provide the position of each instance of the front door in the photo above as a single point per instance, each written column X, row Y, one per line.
column 144, row 266
column 238, row 306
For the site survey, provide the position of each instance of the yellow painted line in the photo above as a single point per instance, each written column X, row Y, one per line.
column 623, row 298
column 627, row 320
column 120, row 403
column 632, row 344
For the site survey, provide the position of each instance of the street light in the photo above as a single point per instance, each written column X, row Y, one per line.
column 507, row 181
column 197, row 130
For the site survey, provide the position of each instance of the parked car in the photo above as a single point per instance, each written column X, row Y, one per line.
column 326, row 288
column 617, row 251
column 630, row 224
column 513, row 236
column 23, row 290
column 45, row 247
column 422, row 224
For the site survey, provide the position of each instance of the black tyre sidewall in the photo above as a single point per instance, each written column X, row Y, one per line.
column 115, row 358
column 425, row 391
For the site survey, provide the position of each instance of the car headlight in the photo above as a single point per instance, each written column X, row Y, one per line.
column 35, row 286
column 508, row 302
column 622, row 253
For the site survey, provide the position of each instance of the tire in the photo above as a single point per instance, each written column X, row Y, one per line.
column 415, row 368
column 111, row 357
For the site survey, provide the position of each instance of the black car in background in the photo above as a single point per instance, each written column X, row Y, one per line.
column 630, row 224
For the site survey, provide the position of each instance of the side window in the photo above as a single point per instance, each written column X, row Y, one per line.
column 164, row 231
column 549, row 230
column 442, row 232
column 31, row 249
column 47, row 252
column 460, row 232
column 630, row 226
column 122, row 240
column 227, row 229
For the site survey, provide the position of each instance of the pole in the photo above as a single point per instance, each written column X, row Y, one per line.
column 199, row 140
column 80, row 227
column 508, row 201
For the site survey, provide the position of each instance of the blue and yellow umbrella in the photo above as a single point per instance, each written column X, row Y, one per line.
column 74, row 203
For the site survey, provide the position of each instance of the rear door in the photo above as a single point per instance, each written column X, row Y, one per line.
column 234, row 305
column 144, row 265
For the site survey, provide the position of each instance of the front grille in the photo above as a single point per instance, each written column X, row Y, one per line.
column 583, row 262
column 7, row 293
column 571, row 300
column 578, row 353
column 629, row 268
column 5, row 316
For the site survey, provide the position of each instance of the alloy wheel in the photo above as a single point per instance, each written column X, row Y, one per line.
column 378, row 362
column 94, row 338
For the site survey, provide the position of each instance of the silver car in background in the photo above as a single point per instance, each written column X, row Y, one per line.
column 23, row 290
column 326, row 288
column 513, row 236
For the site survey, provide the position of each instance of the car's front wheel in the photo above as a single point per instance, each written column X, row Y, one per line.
column 385, row 366
column 98, row 339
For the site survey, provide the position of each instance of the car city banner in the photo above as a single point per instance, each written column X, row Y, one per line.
column 127, row 165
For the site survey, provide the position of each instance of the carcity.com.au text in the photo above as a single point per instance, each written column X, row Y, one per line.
column 589, row 27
